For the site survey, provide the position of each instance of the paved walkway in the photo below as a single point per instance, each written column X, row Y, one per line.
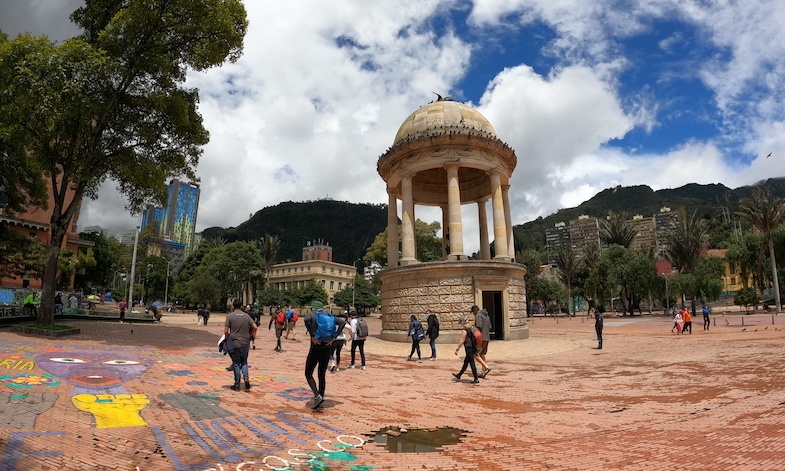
column 157, row 397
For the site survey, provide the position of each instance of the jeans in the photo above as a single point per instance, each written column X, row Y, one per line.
column 239, row 358
column 415, row 347
column 433, row 348
column 359, row 343
column 335, row 349
column 469, row 361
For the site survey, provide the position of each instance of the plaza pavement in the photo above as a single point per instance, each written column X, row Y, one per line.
column 157, row 397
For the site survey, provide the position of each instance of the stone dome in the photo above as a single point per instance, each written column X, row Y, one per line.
column 444, row 115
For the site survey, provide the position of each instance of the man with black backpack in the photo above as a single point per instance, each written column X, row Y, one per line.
column 323, row 329
column 359, row 334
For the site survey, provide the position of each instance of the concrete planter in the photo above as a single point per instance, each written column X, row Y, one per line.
column 27, row 329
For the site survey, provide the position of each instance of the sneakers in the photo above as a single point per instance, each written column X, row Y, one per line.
column 456, row 377
column 351, row 367
column 363, row 366
column 475, row 382
column 409, row 358
column 247, row 384
column 419, row 360
column 333, row 369
column 236, row 387
column 432, row 358
column 230, row 368
column 317, row 401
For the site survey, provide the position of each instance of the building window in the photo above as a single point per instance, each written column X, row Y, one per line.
column 332, row 287
column 340, row 286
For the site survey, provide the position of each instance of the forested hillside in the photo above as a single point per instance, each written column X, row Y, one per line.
column 713, row 201
column 349, row 228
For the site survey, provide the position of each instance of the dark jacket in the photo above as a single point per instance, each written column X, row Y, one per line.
column 433, row 326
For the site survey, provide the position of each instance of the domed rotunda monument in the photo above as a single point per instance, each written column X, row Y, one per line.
column 446, row 154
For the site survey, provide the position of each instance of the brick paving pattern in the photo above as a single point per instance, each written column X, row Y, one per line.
column 157, row 397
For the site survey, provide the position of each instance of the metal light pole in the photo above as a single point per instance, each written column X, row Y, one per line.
column 354, row 282
column 133, row 271
column 166, row 291
column 667, row 296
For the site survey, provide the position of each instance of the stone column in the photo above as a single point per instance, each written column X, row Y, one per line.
column 407, row 222
column 499, row 225
column 485, row 245
column 508, row 221
column 445, row 232
column 392, row 227
column 454, row 204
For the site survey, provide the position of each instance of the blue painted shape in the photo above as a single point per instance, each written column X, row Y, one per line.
column 13, row 448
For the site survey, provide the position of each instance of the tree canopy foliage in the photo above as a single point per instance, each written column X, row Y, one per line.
column 110, row 104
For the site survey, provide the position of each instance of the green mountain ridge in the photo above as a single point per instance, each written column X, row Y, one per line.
column 350, row 228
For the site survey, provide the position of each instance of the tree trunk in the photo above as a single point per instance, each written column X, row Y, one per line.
column 774, row 276
column 46, row 310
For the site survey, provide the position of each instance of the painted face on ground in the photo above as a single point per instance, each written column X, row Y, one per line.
column 93, row 370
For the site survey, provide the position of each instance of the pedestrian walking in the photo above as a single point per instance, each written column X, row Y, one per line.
column 417, row 333
column 359, row 334
column 468, row 343
column 239, row 329
column 291, row 322
column 337, row 346
column 432, row 332
column 122, row 306
column 706, row 322
column 687, row 317
column 322, row 328
column 678, row 322
column 482, row 321
column 58, row 304
column 279, row 319
column 598, row 324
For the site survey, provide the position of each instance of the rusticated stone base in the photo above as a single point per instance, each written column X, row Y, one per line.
column 449, row 289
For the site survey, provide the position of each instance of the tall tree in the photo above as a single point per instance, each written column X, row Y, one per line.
column 269, row 245
column 616, row 230
column 568, row 261
column 110, row 104
column 766, row 213
column 685, row 240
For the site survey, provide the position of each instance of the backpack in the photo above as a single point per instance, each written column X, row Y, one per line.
column 280, row 318
column 325, row 327
column 362, row 328
column 476, row 337
column 705, row 310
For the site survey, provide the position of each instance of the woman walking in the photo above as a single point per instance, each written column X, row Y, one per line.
column 416, row 333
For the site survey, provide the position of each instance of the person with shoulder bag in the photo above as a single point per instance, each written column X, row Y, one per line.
column 417, row 333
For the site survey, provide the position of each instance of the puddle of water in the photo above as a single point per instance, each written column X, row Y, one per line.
column 398, row 440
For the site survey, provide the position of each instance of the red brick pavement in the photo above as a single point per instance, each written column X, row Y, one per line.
column 649, row 400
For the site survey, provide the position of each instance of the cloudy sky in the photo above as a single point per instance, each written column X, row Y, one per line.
column 589, row 94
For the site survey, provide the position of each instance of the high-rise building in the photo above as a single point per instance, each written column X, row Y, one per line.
column 584, row 231
column 177, row 221
column 555, row 238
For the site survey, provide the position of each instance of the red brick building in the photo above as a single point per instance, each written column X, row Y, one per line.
column 35, row 223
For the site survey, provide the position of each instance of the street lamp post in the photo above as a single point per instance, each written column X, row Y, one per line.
column 166, row 290
column 667, row 295
column 354, row 279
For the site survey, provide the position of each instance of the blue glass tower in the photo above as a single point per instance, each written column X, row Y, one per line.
column 177, row 222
